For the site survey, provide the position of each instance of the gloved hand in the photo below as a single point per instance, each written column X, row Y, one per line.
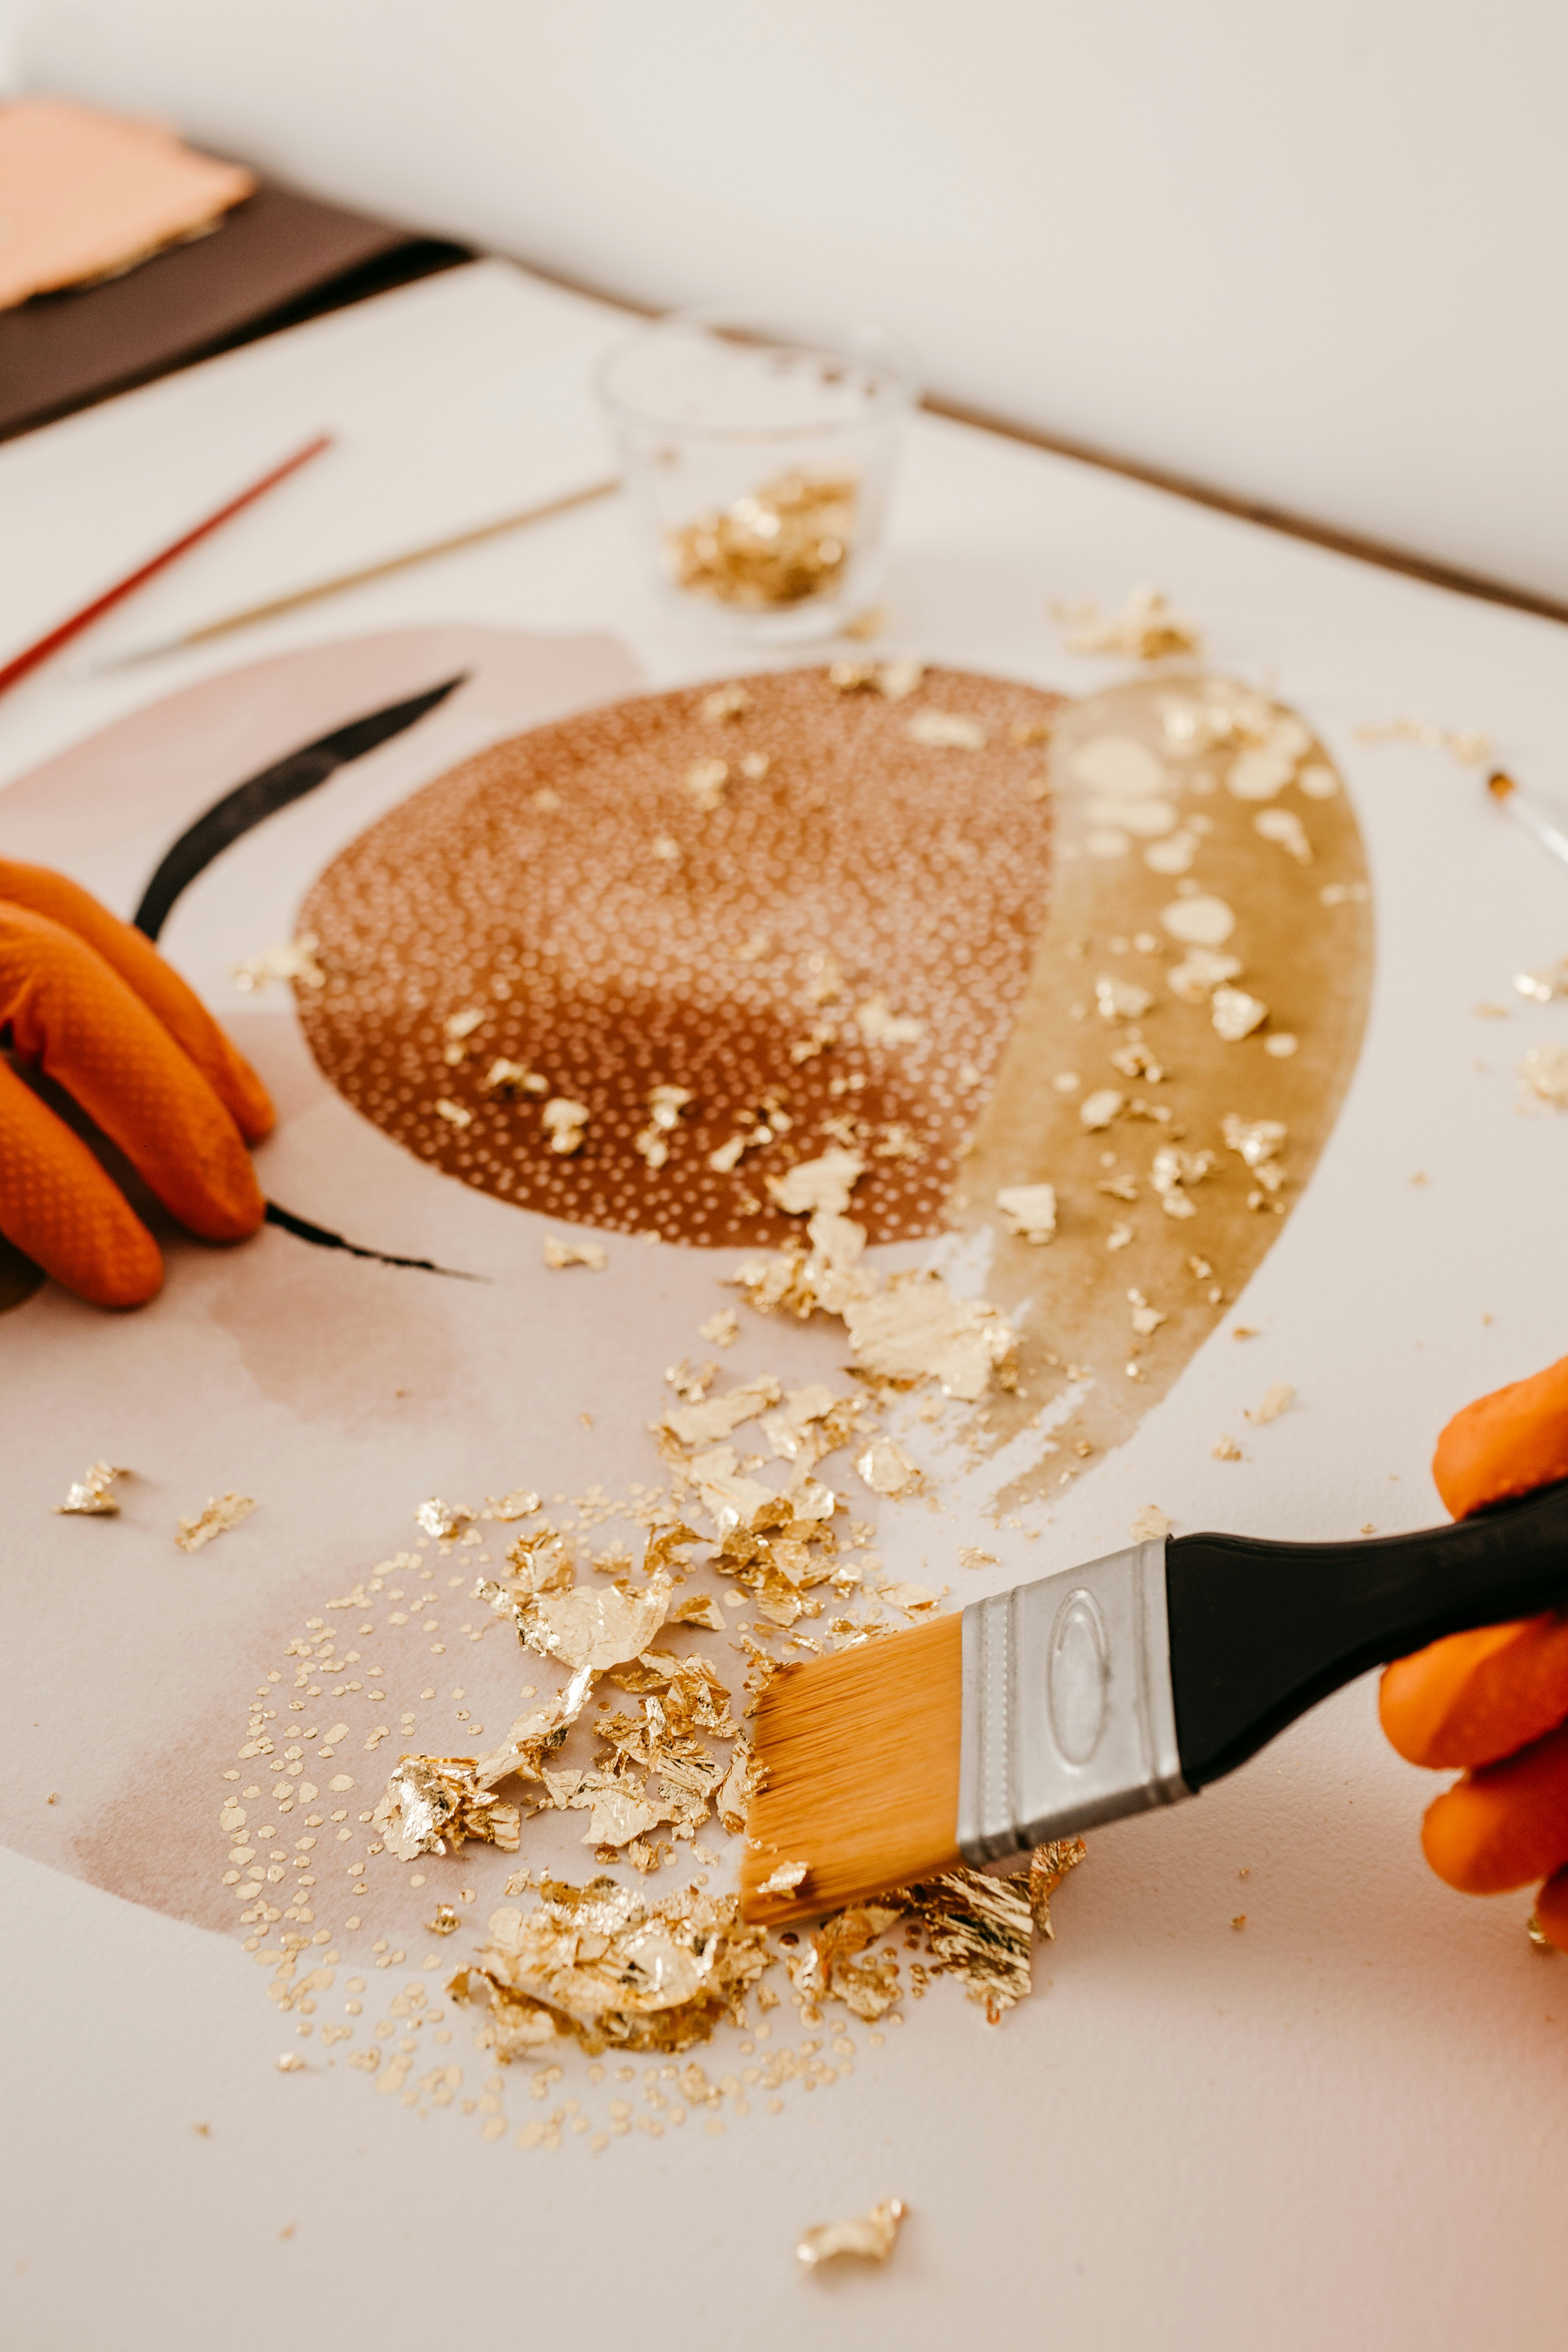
column 1495, row 1701
column 93, row 1004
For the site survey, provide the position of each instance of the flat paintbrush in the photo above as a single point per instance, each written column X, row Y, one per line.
column 1099, row 1692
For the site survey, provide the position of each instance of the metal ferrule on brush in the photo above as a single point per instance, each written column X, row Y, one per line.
column 1068, row 1719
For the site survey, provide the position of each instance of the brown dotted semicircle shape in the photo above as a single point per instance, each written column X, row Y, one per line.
column 537, row 883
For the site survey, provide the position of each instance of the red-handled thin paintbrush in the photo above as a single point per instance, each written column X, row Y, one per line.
column 1096, row 1694
column 28, row 659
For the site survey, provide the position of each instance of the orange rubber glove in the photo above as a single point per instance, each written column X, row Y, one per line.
column 91, row 1002
column 1495, row 1701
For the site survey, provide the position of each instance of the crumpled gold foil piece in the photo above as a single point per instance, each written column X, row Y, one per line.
column 222, row 1512
column 560, row 1254
column 1048, row 1866
column 1029, row 1210
column 1146, row 628
column 614, row 1970
column 978, row 1929
column 916, row 1328
column 430, row 1800
column 870, row 2236
column 90, row 1497
column 441, row 1519
column 706, row 1423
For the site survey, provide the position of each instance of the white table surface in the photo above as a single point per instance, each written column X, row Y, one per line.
column 1342, row 2125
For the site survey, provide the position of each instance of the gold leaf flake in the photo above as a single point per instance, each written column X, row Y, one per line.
column 706, row 781
column 755, row 765
column 865, row 626
column 559, row 1254
column 89, row 1496
column 1151, row 1525
column 785, row 1878
column 887, row 1469
column 1146, row 628
column 739, row 1785
column 690, row 1382
column 971, row 1556
column 1119, row 1237
column 1277, row 1399
column 443, row 1920
column 824, row 1182
column 730, row 1499
column 978, row 1929
column 1172, row 1170
column 726, row 702
column 455, row 1113
column 1282, row 1045
column 1256, row 1141
column 565, row 1122
column 945, row 730
column 593, row 1630
column 667, row 849
column 1030, row 1210
column 869, row 2237
column 1099, row 1109
column 599, row 1962
column 430, row 1800
column 295, row 960
column 1235, row 1014
column 1048, row 1866
column 880, row 1025
column 513, row 1078
column 520, row 1504
column 1200, row 972
column 1203, row 921
column 441, row 1519
column 1120, row 999
column 914, row 1599
column 1537, row 987
column 721, row 1329
column 917, row 1330
column 665, row 1105
column 705, row 1424
column 291, row 2063
column 1286, row 827
column 222, row 1512
column 1543, row 1077
column 1146, row 1319
column 1467, row 745
column 1226, row 1449
column 785, row 541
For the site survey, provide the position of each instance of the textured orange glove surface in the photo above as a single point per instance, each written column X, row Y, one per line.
column 1495, row 1702
column 92, row 1004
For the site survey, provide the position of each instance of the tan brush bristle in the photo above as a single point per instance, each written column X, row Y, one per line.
column 861, row 1751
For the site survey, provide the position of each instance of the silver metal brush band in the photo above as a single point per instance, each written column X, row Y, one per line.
column 1068, row 1719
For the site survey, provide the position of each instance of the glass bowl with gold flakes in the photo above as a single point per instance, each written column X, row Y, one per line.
column 759, row 458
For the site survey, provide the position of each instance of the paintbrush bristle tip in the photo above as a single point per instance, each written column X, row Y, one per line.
column 860, row 1753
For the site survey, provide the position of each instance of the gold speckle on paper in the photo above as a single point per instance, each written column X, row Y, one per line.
column 1277, row 1399
column 1536, row 987
column 721, row 1329
column 221, row 1513
column 291, row 2063
column 1226, row 1449
column 295, row 960
column 787, row 541
column 565, row 1123
column 706, row 781
column 887, row 1469
column 1467, row 745
column 1151, row 1525
column 444, row 1920
column 946, row 731
column 560, row 1254
column 1101, row 1108
column 1235, row 1014
column 444, row 1520
column 1146, row 628
column 726, row 702
column 1029, row 1210
column 1543, row 1078
column 88, row 1497
column 869, row 2237
column 456, row 1114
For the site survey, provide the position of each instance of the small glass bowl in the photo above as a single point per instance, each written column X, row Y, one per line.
column 759, row 458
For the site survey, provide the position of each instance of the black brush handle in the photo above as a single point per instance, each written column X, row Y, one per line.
column 1260, row 1631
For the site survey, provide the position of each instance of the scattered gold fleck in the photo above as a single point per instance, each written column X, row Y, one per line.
column 785, row 1879
column 1226, row 1449
column 513, row 1078
column 89, row 1496
column 887, row 1469
column 721, row 1329
column 1146, row 628
column 1152, row 1525
column 559, row 1254
column 1030, row 1209
column 1537, row 987
column 1282, row 1045
column 667, row 849
column 1048, row 1866
column 1286, row 827
column 430, row 1799
column 291, row 2063
column 1235, row 1014
column 443, row 1520
column 1146, row 1319
column 665, row 1105
column 456, row 1114
column 566, row 1123
column 879, row 1025
column 1202, row 922
column 945, row 730
column 785, row 541
column 1277, row 1400
column 871, row 622
column 1467, row 745
column 706, row 781
column 971, row 1556
column 870, row 2237
column 1119, row 1237
column 1200, row 972
column 1240, row 1921
column 1543, row 1078
column 294, row 960
column 222, row 1512
column 1098, row 1109
column 916, row 1328
column 443, row 1920
column 726, row 702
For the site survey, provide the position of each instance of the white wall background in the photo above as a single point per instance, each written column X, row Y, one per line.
column 1308, row 255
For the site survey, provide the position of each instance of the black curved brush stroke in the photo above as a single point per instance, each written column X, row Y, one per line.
column 323, row 1238
column 247, row 805
column 262, row 796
